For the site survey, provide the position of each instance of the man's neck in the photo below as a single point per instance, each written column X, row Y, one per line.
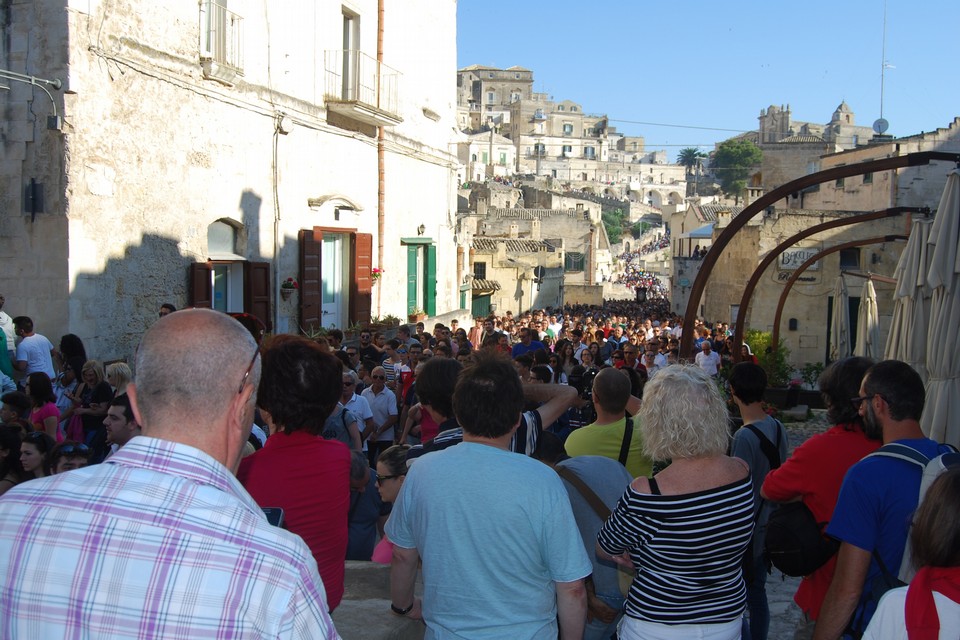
column 503, row 442
column 752, row 412
column 902, row 430
column 604, row 418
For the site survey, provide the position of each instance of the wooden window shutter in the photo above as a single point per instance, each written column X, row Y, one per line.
column 361, row 298
column 411, row 277
column 256, row 291
column 310, row 284
column 201, row 285
column 430, row 286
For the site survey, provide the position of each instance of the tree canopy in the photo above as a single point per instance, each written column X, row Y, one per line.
column 733, row 162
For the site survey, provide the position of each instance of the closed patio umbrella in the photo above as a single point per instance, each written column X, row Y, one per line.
column 840, row 322
column 941, row 415
column 868, row 324
column 907, row 340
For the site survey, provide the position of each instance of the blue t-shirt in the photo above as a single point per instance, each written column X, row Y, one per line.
column 876, row 504
column 495, row 531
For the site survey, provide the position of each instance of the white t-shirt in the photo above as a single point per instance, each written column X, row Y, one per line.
column 35, row 351
column 710, row 363
column 889, row 622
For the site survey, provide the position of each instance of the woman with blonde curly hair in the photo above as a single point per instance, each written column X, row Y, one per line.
column 685, row 530
column 119, row 376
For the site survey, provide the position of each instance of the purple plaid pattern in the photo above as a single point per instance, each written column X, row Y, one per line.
column 160, row 541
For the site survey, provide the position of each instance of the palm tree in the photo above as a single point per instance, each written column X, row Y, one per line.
column 690, row 157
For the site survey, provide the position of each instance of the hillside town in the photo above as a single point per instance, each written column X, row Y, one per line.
column 511, row 372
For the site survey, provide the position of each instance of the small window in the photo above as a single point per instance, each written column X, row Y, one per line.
column 559, row 107
column 839, row 183
column 480, row 270
column 573, row 262
column 590, row 152
column 567, row 129
column 574, row 109
column 567, row 149
column 850, row 258
column 516, row 76
column 490, row 96
column 490, row 75
column 868, row 178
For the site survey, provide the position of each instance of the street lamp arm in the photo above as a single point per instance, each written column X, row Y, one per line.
column 36, row 82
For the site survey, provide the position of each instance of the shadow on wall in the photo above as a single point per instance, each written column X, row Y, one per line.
column 111, row 309
column 250, row 204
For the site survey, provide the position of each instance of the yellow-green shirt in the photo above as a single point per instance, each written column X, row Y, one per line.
column 605, row 440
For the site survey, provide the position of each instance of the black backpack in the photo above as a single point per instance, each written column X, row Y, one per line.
column 796, row 544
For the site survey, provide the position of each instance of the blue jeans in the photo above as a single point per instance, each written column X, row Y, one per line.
column 756, row 627
column 597, row 630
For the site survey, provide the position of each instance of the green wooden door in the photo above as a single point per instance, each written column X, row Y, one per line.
column 412, row 251
column 430, row 284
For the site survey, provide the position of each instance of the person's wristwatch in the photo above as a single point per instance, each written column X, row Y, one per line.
column 402, row 612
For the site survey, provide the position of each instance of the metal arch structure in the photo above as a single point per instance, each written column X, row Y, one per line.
column 778, row 316
column 806, row 233
column 710, row 261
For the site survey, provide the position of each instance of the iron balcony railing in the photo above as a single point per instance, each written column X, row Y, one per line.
column 353, row 76
column 222, row 36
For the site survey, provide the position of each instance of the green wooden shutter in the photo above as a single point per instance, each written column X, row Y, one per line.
column 430, row 286
column 411, row 277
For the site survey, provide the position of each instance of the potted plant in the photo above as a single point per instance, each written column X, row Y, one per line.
column 416, row 315
column 375, row 274
column 287, row 287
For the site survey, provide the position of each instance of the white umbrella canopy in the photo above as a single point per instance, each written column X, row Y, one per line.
column 941, row 415
column 840, row 322
column 868, row 324
column 907, row 340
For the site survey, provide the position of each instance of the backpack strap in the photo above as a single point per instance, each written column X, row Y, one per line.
column 769, row 449
column 901, row 452
column 627, row 438
column 588, row 494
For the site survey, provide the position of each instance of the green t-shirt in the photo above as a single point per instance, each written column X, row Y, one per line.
column 605, row 440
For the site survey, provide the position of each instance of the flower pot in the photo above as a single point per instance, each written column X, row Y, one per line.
column 286, row 293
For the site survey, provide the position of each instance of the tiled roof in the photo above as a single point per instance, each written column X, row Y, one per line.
column 514, row 245
column 480, row 284
column 802, row 137
column 708, row 212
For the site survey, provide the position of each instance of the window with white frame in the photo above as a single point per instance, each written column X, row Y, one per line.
column 221, row 35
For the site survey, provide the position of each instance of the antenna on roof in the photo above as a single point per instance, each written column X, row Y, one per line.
column 881, row 125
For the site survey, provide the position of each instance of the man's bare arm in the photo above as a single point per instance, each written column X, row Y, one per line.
column 557, row 398
column 571, row 609
column 403, row 579
column 844, row 592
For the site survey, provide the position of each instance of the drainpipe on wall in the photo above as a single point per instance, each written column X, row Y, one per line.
column 381, row 181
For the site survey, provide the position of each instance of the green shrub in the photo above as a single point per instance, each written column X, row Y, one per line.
column 774, row 363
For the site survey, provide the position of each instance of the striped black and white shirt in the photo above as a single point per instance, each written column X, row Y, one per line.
column 687, row 550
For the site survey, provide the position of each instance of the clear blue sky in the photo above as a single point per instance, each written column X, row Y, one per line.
column 716, row 64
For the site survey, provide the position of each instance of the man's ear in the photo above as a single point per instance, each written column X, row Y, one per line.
column 239, row 419
column 134, row 405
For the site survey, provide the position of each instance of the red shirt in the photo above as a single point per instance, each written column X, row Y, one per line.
column 814, row 473
column 309, row 478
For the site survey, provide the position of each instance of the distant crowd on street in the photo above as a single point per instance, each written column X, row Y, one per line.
column 550, row 473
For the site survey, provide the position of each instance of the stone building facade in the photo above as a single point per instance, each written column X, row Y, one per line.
column 209, row 152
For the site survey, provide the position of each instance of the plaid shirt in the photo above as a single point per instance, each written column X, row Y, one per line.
column 160, row 541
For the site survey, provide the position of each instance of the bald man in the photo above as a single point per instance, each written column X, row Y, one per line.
column 163, row 532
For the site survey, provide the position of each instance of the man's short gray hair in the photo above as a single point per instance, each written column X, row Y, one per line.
column 352, row 374
column 191, row 364
column 359, row 465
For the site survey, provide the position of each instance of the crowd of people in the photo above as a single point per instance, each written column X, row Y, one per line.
column 562, row 470
column 662, row 241
column 636, row 277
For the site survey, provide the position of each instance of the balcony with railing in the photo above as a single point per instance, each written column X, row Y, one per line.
column 359, row 87
column 221, row 42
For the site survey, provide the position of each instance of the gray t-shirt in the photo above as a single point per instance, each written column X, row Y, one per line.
column 608, row 479
column 746, row 446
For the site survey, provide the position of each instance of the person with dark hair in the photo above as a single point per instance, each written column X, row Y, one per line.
column 762, row 443
column 16, row 406
column 121, row 425
column 297, row 470
column 71, row 346
column 929, row 608
column 815, row 471
column 11, row 470
column 166, row 517
column 166, row 309
column 606, row 435
column 34, row 352
column 367, row 513
column 540, row 373
column 33, row 453
column 44, row 416
column 67, row 456
column 533, row 577
column 878, row 497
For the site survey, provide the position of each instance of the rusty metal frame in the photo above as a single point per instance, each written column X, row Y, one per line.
column 806, row 233
column 778, row 316
column 710, row 261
